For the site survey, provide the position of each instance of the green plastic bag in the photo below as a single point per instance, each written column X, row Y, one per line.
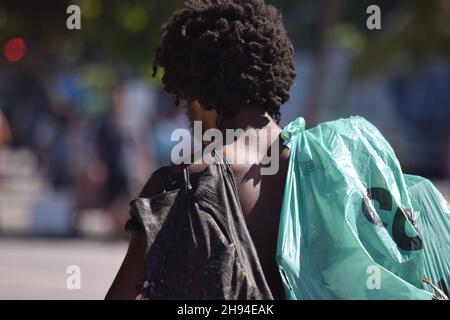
column 352, row 225
column 434, row 225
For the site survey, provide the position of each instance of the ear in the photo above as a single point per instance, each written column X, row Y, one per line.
column 209, row 117
column 196, row 106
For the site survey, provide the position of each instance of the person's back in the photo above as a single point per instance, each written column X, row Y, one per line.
column 261, row 204
column 260, row 194
column 261, row 199
column 232, row 62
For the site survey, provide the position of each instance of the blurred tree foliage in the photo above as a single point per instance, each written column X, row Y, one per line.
column 413, row 32
column 128, row 31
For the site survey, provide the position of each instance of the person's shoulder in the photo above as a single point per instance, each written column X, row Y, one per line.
column 154, row 185
column 157, row 183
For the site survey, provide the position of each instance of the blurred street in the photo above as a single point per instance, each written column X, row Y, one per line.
column 36, row 269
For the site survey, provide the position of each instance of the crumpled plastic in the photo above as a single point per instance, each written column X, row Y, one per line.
column 353, row 225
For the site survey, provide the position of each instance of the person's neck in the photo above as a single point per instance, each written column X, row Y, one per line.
column 248, row 118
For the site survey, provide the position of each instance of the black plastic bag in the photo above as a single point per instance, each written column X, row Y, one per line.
column 198, row 244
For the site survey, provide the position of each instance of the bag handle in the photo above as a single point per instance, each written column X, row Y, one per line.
column 186, row 178
column 173, row 180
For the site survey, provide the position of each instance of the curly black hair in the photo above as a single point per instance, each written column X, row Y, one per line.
column 227, row 54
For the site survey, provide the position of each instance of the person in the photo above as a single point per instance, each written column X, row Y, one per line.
column 231, row 61
column 110, row 147
column 5, row 132
column 5, row 135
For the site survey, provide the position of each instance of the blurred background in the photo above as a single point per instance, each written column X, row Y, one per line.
column 83, row 124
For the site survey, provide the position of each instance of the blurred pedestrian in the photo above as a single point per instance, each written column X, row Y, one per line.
column 111, row 140
column 5, row 135
column 5, row 132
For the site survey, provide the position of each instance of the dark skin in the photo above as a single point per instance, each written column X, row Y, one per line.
column 260, row 196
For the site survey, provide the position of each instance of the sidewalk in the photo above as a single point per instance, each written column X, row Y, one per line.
column 37, row 269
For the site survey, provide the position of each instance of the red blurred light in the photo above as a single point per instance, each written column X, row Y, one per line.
column 15, row 49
